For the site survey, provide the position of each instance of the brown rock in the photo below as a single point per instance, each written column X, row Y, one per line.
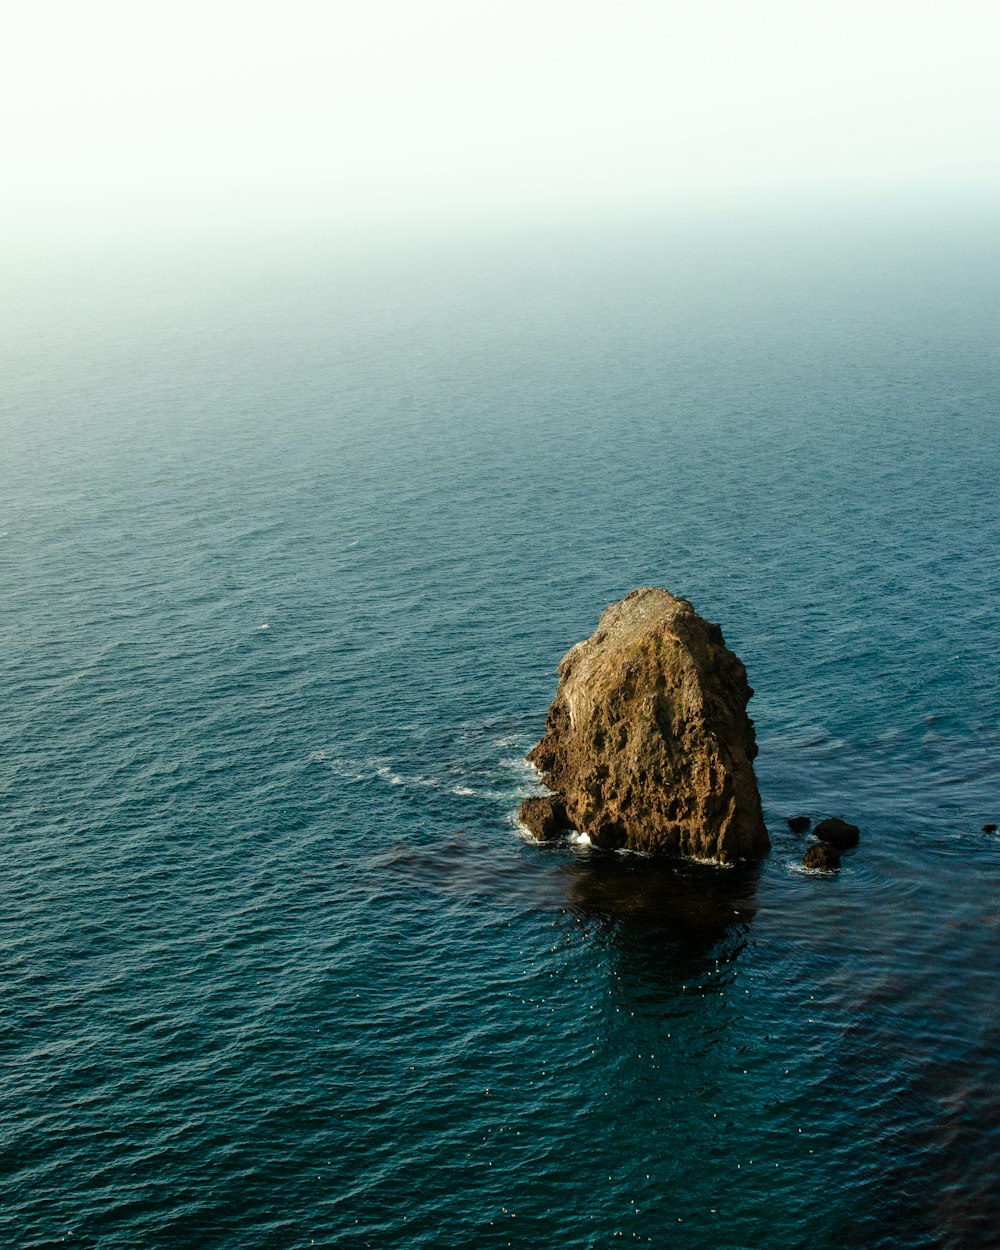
column 822, row 855
column 544, row 816
column 798, row 824
column 838, row 833
column 648, row 742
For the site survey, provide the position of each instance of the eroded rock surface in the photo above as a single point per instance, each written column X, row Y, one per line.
column 822, row 855
column 544, row 815
column 648, row 744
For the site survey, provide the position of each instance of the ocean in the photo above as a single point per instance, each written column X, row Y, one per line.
column 292, row 543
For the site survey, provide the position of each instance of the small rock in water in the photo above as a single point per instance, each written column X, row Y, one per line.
column 545, row 816
column 989, row 828
column 799, row 824
column 838, row 833
column 823, row 856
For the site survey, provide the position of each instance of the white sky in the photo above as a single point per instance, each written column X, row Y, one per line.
column 116, row 111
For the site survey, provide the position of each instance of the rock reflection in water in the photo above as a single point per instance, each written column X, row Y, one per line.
column 672, row 924
column 669, row 1017
column 638, row 897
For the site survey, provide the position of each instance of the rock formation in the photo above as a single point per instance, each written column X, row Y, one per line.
column 798, row 824
column 822, row 855
column 648, row 744
column 838, row 833
column 544, row 815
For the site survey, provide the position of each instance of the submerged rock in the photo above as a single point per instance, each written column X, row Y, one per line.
column 648, row 743
column 798, row 824
column 822, row 855
column 838, row 833
column 544, row 816
column 989, row 828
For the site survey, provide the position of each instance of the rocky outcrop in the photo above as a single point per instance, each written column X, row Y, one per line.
column 798, row 824
column 544, row 816
column 838, row 833
column 648, row 744
column 822, row 855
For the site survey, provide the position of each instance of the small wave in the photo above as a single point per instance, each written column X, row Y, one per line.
column 510, row 740
column 387, row 774
column 572, row 838
column 524, row 833
column 708, row 862
column 797, row 867
column 374, row 768
column 348, row 769
column 506, row 782
column 262, row 627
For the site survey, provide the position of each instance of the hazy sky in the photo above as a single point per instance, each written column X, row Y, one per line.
column 116, row 111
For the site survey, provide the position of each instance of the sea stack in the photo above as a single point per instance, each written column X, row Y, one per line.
column 648, row 744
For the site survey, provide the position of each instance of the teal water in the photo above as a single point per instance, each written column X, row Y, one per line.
column 290, row 551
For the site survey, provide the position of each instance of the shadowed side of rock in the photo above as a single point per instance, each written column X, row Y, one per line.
column 544, row 816
column 648, row 744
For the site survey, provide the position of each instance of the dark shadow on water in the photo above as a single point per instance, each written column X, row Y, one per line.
column 634, row 898
column 666, row 918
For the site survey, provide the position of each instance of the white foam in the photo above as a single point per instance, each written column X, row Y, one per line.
column 519, row 764
column 795, row 866
column 708, row 861
column 260, row 627
column 386, row 773
column 524, row 833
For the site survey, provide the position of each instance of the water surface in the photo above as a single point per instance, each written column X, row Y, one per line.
column 290, row 551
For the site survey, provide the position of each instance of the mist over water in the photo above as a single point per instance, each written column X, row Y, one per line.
column 291, row 546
